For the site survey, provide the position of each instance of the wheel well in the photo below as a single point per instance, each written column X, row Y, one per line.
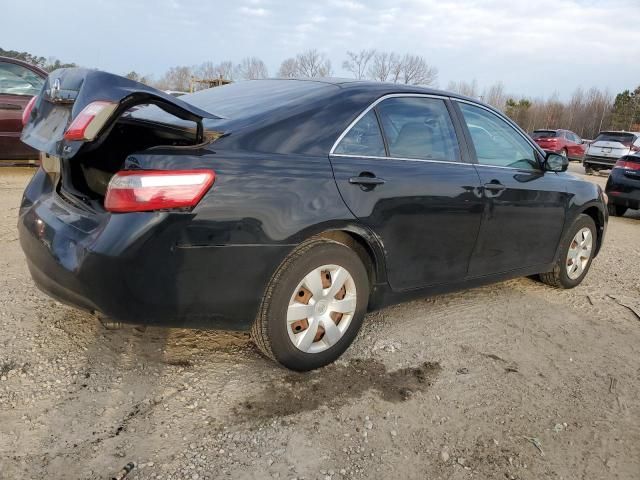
column 360, row 246
column 598, row 219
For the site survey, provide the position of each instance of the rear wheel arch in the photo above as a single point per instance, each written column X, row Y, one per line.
column 363, row 243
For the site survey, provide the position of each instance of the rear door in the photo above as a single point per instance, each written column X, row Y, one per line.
column 18, row 85
column 400, row 170
column 524, row 206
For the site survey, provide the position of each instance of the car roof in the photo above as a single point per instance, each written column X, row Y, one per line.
column 22, row 63
column 618, row 131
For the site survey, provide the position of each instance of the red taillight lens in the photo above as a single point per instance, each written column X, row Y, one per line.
column 146, row 190
column 26, row 113
column 89, row 121
column 627, row 165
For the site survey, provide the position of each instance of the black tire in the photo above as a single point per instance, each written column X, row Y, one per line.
column 558, row 277
column 587, row 169
column 616, row 210
column 269, row 331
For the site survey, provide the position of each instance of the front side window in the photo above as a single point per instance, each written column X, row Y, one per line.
column 496, row 142
column 18, row 80
column 364, row 138
column 417, row 127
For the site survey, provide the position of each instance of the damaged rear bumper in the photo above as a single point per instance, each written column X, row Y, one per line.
column 134, row 268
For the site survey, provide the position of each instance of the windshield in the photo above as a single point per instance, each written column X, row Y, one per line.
column 544, row 134
column 624, row 138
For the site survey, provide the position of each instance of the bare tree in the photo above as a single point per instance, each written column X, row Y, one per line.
column 288, row 68
column 310, row 64
column 313, row 64
column 410, row 69
column 251, row 68
column 469, row 89
column 416, row 71
column 386, row 67
column 176, row 78
column 357, row 62
column 209, row 70
column 495, row 96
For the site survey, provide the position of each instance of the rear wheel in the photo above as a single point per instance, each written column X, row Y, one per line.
column 587, row 169
column 576, row 254
column 616, row 210
column 313, row 307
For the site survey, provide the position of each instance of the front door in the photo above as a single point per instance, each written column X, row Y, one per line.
column 407, row 183
column 524, row 205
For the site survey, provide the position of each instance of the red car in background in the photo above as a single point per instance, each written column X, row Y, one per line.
column 19, row 82
column 563, row 142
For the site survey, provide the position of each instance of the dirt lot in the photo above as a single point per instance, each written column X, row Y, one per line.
column 513, row 381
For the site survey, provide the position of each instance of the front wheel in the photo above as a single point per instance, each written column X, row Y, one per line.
column 314, row 305
column 576, row 254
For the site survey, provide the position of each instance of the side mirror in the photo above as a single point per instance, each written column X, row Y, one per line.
column 556, row 163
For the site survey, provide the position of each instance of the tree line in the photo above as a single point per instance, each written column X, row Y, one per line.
column 586, row 112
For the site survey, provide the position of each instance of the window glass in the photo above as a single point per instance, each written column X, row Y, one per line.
column 18, row 80
column 496, row 142
column 363, row 139
column 418, row 127
column 544, row 134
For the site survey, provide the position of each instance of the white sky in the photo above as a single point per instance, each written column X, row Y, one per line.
column 535, row 47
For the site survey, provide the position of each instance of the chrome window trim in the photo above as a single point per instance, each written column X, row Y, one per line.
column 370, row 107
column 405, row 159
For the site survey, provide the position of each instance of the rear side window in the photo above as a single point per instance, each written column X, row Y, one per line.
column 18, row 80
column 364, row 138
column 496, row 142
column 418, row 128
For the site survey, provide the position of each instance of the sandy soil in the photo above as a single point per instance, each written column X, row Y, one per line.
column 512, row 381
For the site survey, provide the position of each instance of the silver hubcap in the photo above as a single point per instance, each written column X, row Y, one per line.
column 579, row 253
column 321, row 308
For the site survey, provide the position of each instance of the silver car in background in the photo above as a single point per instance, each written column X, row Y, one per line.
column 608, row 147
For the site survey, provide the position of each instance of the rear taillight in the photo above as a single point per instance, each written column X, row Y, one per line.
column 26, row 113
column 89, row 121
column 635, row 148
column 146, row 190
column 627, row 165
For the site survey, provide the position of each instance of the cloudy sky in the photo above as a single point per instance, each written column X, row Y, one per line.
column 554, row 46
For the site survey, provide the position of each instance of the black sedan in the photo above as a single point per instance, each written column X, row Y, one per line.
column 291, row 207
column 623, row 185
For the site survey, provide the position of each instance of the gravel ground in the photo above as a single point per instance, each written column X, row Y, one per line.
column 514, row 381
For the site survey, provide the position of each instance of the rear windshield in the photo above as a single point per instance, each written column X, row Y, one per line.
column 544, row 134
column 626, row 139
column 241, row 99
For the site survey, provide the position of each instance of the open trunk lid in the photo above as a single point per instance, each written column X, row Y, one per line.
column 67, row 92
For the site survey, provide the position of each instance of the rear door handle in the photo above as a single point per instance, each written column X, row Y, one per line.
column 495, row 187
column 10, row 106
column 366, row 180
